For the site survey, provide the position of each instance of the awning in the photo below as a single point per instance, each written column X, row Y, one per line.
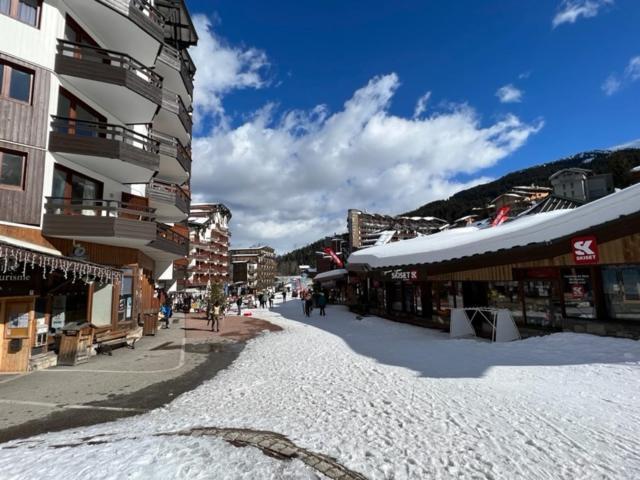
column 330, row 275
column 20, row 258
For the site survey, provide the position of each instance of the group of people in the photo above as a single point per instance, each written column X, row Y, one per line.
column 319, row 299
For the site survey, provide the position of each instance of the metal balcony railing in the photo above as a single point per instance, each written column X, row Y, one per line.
column 98, row 208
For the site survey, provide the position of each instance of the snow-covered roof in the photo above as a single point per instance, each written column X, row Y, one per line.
column 330, row 275
column 385, row 237
column 467, row 241
column 635, row 169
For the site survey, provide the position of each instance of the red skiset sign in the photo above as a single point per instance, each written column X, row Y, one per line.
column 585, row 250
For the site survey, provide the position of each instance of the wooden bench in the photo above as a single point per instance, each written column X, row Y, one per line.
column 108, row 339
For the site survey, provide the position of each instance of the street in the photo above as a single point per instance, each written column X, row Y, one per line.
column 385, row 400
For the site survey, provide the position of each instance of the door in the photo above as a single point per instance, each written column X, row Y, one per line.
column 15, row 340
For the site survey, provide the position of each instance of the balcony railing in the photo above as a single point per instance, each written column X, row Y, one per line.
column 106, row 131
column 166, row 233
column 180, row 60
column 173, row 102
column 99, row 208
column 172, row 147
column 102, row 57
column 149, row 11
column 170, row 192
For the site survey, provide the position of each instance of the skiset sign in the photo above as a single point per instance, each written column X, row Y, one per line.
column 585, row 250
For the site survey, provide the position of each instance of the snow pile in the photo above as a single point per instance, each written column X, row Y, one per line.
column 540, row 228
column 390, row 401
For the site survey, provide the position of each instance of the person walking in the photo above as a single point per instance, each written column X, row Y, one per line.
column 322, row 304
column 167, row 313
column 270, row 297
column 284, row 296
column 215, row 317
column 239, row 304
column 308, row 304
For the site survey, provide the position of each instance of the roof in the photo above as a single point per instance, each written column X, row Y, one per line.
column 572, row 170
column 525, row 230
column 636, row 169
column 330, row 275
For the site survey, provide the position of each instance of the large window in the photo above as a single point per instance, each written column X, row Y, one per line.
column 622, row 291
column 578, row 293
column 506, row 295
column 69, row 106
column 12, row 168
column 26, row 11
column 15, row 82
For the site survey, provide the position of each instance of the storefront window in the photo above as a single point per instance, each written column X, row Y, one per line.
column 578, row 293
column 409, row 305
column 396, row 296
column 417, row 298
column 622, row 291
column 506, row 295
column 443, row 298
column 542, row 304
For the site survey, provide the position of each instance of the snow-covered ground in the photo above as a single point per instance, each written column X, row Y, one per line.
column 390, row 401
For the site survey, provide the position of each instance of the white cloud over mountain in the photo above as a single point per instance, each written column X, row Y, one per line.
column 570, row 11
column 290, row 176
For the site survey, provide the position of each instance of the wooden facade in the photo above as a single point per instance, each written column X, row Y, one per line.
column 23, row 129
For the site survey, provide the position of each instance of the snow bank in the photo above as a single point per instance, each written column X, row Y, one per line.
column 391, row 401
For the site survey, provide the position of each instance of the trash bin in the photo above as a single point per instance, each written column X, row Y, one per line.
column 150, row 323
column 75, row 344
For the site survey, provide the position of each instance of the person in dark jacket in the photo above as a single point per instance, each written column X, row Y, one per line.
column 239, row 304
column 167, row 313
column 322, row 304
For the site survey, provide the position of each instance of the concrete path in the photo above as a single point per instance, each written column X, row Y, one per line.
column 129, row 382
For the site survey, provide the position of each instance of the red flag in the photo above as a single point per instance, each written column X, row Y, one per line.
column 334, row 257
column 501, row 217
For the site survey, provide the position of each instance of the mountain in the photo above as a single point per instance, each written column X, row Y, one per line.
column 616, row 161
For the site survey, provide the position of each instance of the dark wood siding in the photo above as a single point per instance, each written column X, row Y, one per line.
column 83, row 226
column 24, row 206
column 26, row 124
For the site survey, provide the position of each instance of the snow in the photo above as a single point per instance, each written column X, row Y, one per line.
column 635, row 169
column 540, row 228
column 330, row 275
column 388, row 400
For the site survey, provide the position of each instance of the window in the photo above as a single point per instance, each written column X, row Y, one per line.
column 26, row 11
column 622, row 291
column 15, row 82
column 12, row 166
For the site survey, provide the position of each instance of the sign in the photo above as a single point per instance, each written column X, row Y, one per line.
column 585, row 250
column 408, row 275
column 577, row 291
column 501, row 217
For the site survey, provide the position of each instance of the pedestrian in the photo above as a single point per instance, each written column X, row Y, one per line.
column 167, row 313
column 284, row 296
column 322, row 304
column 308, row 304
column 239, row 304
column 270, row 299
column 215, row 317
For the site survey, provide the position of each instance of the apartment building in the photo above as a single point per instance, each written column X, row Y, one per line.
column 95, row 128
column 260, row 270
column 371, row 229
column 208, row 259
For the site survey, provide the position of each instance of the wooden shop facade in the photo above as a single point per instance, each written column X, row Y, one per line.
column 574, row 271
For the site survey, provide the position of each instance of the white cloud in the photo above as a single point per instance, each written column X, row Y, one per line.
column 570, row 11
column 611, row 85
column 421, row 105
column 289, row 178
column 615, row 82
column 221, row 69
column 509, row 94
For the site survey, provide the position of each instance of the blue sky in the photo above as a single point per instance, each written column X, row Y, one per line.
column 307, row 54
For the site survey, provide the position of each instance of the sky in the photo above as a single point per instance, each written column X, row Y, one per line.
column 306, row 109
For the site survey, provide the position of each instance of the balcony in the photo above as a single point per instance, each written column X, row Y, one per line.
column 170, row 202
column 177, row 70
column 110, row 150
column 115, row 223
column 132, row 26
column 173, row 118
column 115, row 81
column 179, row 29
column 175, row 160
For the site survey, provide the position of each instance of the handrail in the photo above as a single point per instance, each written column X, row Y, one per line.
column 170, row 188
column 102, row 55
column 150, row 11
column 87, row 128
column 181, row 153
column 165, row 232
column 98, row 208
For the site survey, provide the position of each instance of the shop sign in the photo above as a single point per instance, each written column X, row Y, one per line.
column 403, row 275
column 585, row 250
